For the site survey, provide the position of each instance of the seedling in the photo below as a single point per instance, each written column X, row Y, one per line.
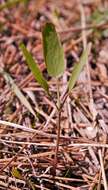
column 55, row 64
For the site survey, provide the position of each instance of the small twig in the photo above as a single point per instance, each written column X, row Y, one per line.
column 8, row 161
column 99, row 183
column 99, row 145
column 15, row 157
column 80, row 28
column 94, row 182
column 83, row 23
column 103, row 170
column 27, row 129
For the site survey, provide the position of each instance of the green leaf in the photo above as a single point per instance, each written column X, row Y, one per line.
column 77, row 69
column 53, row 51
column 34, row 68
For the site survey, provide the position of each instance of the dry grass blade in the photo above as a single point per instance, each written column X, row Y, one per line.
column 10, row 3
column 17, row 91
column 103, row 170
column 84, row 38
column 27, row 129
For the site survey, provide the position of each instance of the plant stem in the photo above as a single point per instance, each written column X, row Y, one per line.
column 58, row 95
column 58, row 126
column 58, row 140
column 60, row 104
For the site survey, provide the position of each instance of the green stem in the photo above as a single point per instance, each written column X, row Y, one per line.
column 58, row 94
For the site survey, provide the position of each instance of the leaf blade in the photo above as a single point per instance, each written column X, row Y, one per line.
column 34, row 68
column 77, row 69
column 53, row 51
column 17, row 91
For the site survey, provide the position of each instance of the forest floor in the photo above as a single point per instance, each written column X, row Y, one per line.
column 28, row 140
